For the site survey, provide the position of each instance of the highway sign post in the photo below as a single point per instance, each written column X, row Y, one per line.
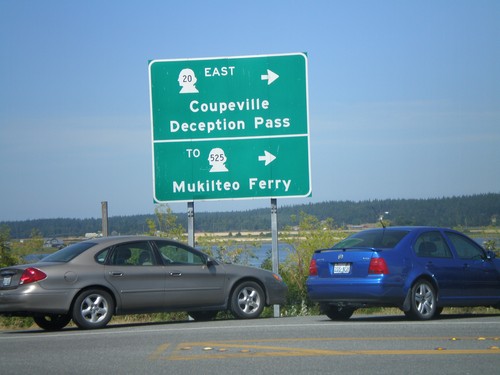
column 230, row 128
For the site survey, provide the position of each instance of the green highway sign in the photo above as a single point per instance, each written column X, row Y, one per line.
column 230, row 128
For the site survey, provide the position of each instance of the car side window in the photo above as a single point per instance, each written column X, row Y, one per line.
column 101, row 256
column 133, row 254
column 173, row 254
column 466, row 248
column 432, row 245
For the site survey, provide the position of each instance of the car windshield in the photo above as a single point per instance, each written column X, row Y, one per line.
column 68, row 253
column 372, row 239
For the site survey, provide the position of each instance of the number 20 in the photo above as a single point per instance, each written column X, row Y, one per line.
column 187, row 78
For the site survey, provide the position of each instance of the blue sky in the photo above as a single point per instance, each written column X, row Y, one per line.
column 404, row 96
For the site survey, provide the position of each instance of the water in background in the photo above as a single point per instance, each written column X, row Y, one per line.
column 482, row 240
column 256, row 255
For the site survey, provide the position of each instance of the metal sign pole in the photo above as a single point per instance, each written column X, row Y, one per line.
column 190, row 209
column 190, row 213
column 274, row 245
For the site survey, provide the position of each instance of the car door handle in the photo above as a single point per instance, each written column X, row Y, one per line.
column 117, row 274
column 176, row 274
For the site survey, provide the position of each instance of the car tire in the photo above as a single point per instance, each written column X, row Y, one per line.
column 423, row 302
column 52, row 322
column 247, row 300
column 339, row 313
column 93, row 309
column 203, row 316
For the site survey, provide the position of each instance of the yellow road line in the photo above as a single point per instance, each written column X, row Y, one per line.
column 316, row 353
column 158, row 352
column 245, row 349
column 426, row 338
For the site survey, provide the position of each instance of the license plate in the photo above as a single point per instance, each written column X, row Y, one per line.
column 6, row 281
column 341, row 268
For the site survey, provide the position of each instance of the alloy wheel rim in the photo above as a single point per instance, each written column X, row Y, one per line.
column 94, row 308
column 249, row 300
column 424, row 300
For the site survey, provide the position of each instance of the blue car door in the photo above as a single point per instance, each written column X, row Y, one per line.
column 481, row 278
column 435, row 256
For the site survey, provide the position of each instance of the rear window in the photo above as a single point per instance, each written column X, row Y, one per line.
column 68, row 253
column 386, row 239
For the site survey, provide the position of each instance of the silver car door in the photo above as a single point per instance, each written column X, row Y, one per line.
column 190, row 281
column 137, row 276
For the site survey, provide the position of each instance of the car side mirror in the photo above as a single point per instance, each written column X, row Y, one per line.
column 210, row 262
column 490, row 255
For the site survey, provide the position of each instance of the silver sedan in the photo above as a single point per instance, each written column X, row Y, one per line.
column 90, row 281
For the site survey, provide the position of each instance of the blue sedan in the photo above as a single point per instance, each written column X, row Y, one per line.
column 420, row 270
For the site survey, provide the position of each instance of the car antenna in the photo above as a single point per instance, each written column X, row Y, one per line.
column 381, row 219
column 380, row 216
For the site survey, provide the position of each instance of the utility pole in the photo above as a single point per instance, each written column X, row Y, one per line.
column 104, row 210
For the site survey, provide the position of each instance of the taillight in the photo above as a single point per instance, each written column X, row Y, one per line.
column 31, row 275
column 313, row 269
column 378, row 266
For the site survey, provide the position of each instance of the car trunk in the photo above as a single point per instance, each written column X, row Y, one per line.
column 9, row 278
column 341, row 263
column 13, row 277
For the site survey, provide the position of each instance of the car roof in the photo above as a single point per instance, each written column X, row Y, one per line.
column 410, row 228
column 119, row 239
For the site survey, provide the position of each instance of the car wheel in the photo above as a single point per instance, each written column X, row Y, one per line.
column 339, row 313
column 203, row 316
column 93, row 309
column 52, row 322
column 423, row 301
column 247, row 300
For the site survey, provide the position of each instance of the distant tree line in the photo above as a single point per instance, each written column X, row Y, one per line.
column 463, row 211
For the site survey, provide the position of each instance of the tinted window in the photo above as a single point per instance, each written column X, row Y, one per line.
column 101, row 256
column 133, row 254
column 465, row 247
column 373, row 239
column 432, row 245
column 171, row 253
column 68, row 253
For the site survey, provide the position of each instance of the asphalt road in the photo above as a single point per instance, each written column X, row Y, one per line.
column 465, row 344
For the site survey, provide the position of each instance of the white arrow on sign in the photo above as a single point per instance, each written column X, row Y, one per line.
column 267, row 158
column 270, row 76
